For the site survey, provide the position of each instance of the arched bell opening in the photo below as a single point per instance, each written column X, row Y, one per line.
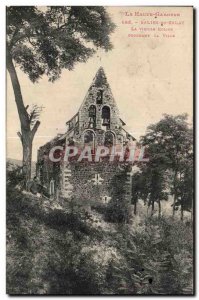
column 106, row 116
column 89, row 139
column 109, row 139
column 92, row 116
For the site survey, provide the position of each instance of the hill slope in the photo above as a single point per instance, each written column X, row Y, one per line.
column 66, row 249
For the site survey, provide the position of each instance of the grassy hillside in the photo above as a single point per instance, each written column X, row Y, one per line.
column 66, row 249
column 17, row 162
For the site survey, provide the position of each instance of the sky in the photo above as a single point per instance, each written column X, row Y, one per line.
column 148, row 77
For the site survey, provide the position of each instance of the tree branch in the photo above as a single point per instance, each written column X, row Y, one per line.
column 12, row 39
column 35, row 127
column 19, row 135
column 31, row 116
column 24, row 36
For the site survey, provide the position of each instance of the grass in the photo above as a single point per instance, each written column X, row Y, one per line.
column 70, row 251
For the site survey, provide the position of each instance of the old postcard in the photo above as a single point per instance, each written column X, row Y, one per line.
column 100, row 150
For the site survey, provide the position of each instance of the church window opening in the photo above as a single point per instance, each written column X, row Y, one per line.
column 109, row 139
column 92, row 116
column 89, row 139
column 99, row 97
column 106, row 117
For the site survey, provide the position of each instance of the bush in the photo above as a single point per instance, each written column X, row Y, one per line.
column 117, row 211
column 157, row 259
column 99, row 207
column 14, row 175
column 71, row 272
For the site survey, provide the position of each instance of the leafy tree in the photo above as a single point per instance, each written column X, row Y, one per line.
column 156, row 186
column 170, row 143
column 139, row 186
column 45, row 41
column 153, row 177
column 118, row 208
column 136, row 187
column 185, row 186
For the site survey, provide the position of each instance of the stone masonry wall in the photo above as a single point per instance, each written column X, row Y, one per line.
column 91, row 182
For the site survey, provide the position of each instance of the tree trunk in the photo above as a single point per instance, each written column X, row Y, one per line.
column 147, row 212
column 27, row 134
column 175, row 196
column 174, row 204
column 152, row 208
column 182, row 213
column 135, row 207
column 159, row 208
column 27, row 155
column 148, row 206
column 23, row 115
column 192, row 210
column 182, row 210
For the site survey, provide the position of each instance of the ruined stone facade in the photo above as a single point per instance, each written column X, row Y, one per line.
column 96, row 123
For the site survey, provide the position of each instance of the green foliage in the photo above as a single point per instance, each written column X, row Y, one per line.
column 14, row 175
column 44, row 41
column 49, row 257
column 184, row 185
column 69, row 271
column 45, row 247
column 53, row 251
column 99, row 207
column 153, row 260
column 117, row 210
column 170, row 168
